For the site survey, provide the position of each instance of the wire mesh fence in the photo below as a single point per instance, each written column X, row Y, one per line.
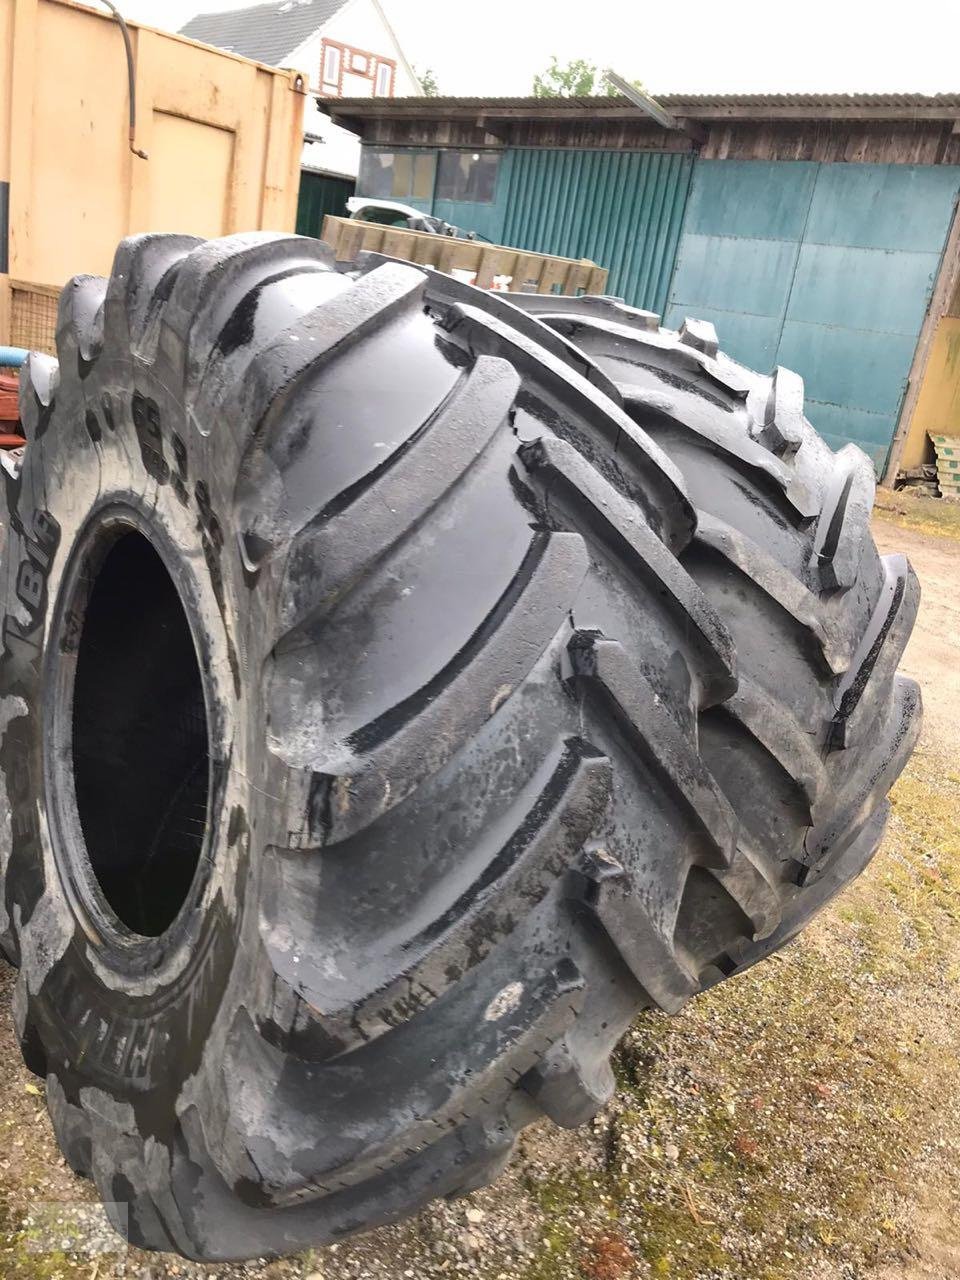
column 33, row 316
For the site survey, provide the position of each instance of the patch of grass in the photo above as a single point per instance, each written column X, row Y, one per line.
column 908, row 919
column 938, row 517
column 574, row 1207
column 781, row 1114
column 19, row 1259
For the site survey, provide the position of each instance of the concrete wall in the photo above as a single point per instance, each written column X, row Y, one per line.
column 223, row 137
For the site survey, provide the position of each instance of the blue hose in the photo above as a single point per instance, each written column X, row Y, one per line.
column 13, row 357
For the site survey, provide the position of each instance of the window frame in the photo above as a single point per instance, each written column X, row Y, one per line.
column 482, row 153
column 348, row 60
column 418, row 158
column 329, row 49
column 388, row 65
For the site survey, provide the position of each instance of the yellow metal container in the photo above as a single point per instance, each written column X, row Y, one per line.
column 222, row 136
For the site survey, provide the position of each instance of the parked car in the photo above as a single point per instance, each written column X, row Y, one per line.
column 391, row 214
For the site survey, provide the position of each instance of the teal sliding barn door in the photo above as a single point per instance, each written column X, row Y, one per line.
column 824, row 268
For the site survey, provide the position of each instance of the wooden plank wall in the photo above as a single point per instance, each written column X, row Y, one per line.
column 831, row 140
column 835, row 141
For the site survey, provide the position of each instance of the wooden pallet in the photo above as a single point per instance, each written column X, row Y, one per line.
column 948, row 465
column 527, row 272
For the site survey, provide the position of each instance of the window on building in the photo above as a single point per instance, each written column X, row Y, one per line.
column 331, row 64
column 396, row 175
column 468, row 175
column 359, row 64
column 376, row 173
column 424, row 168
column 402, row 174
column 383, row 85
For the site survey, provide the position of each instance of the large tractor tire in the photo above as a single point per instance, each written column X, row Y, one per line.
column 821, row 724
column 382, row 727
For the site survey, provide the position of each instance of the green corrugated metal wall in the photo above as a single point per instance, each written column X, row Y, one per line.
column 623, row 209
column 825, row 268
column 320, row 194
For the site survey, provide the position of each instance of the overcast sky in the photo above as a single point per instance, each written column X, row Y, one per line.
column 705, row 46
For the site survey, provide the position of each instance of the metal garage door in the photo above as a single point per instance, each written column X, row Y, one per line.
column 824, row 268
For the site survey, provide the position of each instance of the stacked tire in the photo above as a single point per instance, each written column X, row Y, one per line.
column 400, row 689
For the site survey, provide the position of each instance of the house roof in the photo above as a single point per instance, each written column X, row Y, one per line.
column 267, row 32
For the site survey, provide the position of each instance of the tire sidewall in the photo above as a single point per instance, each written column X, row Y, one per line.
column 131, row 1020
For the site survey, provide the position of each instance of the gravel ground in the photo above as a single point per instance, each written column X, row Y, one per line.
column 800, row 1123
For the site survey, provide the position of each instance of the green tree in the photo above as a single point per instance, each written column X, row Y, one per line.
column 578, row 79
column 428, row 82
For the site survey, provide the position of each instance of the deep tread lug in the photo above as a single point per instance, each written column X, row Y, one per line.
column 604, row 890
column 569, row 1089
column 701, row 335
column 553, row 307
column 782, row 427
column 844, row 521
column 604, row 665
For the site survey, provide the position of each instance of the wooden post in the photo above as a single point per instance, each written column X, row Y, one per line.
column 392, row 244
column 526, row 268
column 487, row 268
column 445, row 259
column 554, row 272
column 577, row 278
column 597, row 282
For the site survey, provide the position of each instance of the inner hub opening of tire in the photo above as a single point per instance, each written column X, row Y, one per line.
column 140, row 747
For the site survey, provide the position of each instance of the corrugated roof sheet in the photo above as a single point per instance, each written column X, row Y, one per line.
column 821, row 100
column 678, row 102
column 267, row 32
